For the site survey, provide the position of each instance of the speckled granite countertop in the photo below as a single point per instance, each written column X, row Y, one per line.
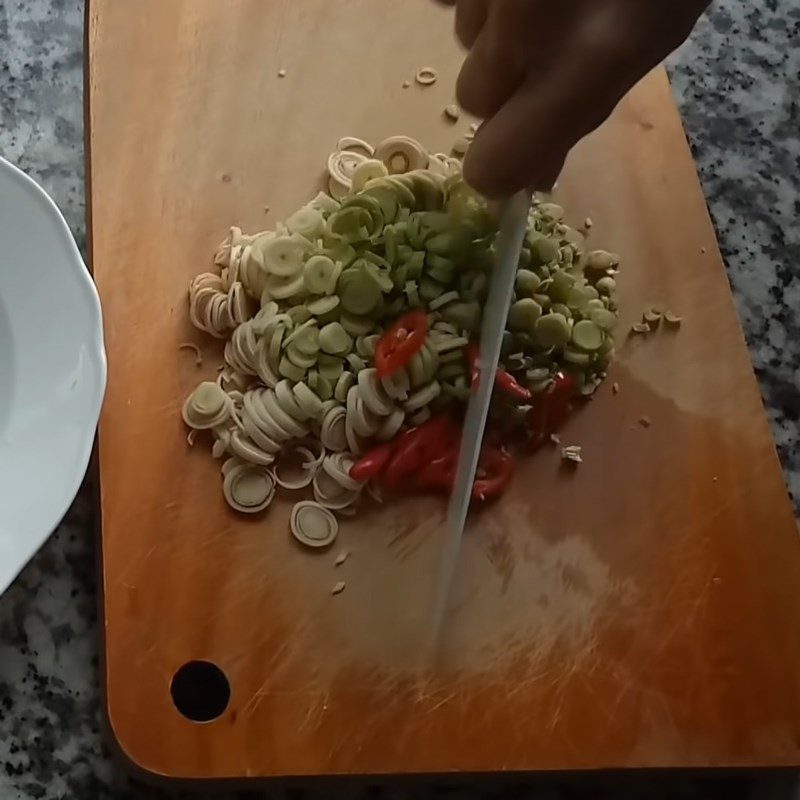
column 737, row 81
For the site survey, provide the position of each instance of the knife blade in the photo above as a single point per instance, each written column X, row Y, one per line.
column 513, row 224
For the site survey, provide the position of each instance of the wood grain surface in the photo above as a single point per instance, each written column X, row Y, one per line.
column 640, row 611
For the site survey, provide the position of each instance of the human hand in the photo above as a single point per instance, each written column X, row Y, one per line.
column 543, row 74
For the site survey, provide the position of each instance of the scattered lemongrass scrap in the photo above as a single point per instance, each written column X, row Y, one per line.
column 341, row 558
column 703, row 250
column 572, row 454
column 426, row 76
column 406, row 84
column 198, row 355
column 338, row 588
column 672, row 320
column 588, row 224
column 281, row 73
column 645, row 422
column 652, row 317
column 555, row 438
column 615, row 388
column 452, row 112
column 191, row 436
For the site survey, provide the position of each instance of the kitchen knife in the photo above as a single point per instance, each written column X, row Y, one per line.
column 513, row 224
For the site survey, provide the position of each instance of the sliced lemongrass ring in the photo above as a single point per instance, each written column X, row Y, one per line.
column 343, row 385
column 401, row 154
column 338, row 465
column 296, row 429
column 423, row 396
column 260, row 439
column 288, row 402
column 391, row 425
column 355, row 144
column 264, row 368
column 248, row 489
column 367, row 421
column 306, row 221
column 283, row 256
column 325, row 203
column 355, row 443
column 312, row 524
column 342, row 164
column 338, row 189
column 265, row 420
column 329, row 493
column 397, row 386
column 367, row 171
column 248, row 452
column 426, row 76
column 355, row 415
column 290, row 470
column 307, row 400
column 333, row 433
column 221, row 442
column 373, row 394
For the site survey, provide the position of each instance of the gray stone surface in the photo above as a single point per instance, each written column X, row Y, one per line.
column 737, row 81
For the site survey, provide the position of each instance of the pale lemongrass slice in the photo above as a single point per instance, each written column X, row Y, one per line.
column 248, row 451
column 312, row 524
column 247, row 488
column 338, row 466
column 373, row 394
column 206, row 407
column 333, row 432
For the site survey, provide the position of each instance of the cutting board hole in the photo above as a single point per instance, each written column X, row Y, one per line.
column 200, row 691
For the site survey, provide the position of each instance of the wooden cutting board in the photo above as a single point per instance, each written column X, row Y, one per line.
column 640, row 611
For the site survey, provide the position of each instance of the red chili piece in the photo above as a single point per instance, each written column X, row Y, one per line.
column 551, row 409
column 504, row 381
column 420, row 446
column 495, row 471
column 372, row 463
column 400, row 343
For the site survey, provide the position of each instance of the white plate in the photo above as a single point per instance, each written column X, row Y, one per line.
column 52, row 368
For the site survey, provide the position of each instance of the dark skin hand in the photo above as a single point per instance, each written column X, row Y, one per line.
column 543, row 74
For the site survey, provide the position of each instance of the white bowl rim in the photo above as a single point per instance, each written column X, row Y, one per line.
column 95, row 348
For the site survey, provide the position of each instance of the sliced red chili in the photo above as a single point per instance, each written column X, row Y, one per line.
column 371, row 464
column 418, row 447
column 504, row 381
column 551, row 408
column 400, row 343
column 495, row 471
column 439, row 474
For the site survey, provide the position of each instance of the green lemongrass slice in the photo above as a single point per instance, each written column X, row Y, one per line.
column 524, row 315
column 317, row 274
column 552, row 330
column 306, row 221
column 290, row 370
column 334, row 339
column 307, row 400
column 587, row 335
column 603, row 318
column 283, row 256
column 323, row 305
